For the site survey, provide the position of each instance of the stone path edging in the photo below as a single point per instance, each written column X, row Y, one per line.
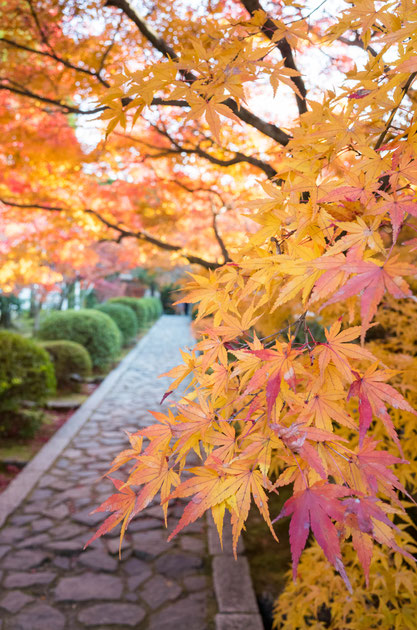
column 26, row 480
column 235, row 596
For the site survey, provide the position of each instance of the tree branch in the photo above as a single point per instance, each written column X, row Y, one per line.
column 268, row 129
column 394, row 111
column 64, row 62
column 123, row 232
column 269, row 29
column 236, row 159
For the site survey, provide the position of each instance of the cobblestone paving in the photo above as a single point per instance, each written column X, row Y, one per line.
column 48, row 583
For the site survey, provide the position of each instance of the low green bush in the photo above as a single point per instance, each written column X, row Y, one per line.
column 138, row 307
column 70, row 359
column 26, row 377
column 96, row 331
column 154, row 306
column 124, row 318
column 150, row 309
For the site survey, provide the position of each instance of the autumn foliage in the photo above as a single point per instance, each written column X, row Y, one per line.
column 263, row 413
column 333, row 243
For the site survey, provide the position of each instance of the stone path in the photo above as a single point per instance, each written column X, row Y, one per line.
column 48, row 583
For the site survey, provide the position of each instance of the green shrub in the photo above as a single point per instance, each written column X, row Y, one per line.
column 69, row 358
column 23, row 423
column 124, row 318
column 154, row 306
column 150, row 309
column 137, row 306
column 26, row 374
column 96, row 331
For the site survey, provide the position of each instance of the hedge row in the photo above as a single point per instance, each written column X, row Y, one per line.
column 96, row 331
column 72, row 342
column 146, row 309
column 124, row 318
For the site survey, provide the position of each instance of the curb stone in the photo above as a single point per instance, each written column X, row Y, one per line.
column 20, row 487
column 235, row 596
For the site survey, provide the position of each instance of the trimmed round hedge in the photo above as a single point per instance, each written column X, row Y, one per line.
column 26, row 374
column 138, row 307
column 69, row 358
column 154, row 306
column 124, row 318
column 96, row 331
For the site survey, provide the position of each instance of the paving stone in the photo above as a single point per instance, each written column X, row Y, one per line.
column 66, row 530
column 21, row 519
column 84, row 517
column 144, row 523
column 178, row 564
column 134, row 566
column 118, row 614
column 42, row 524
column 41, row 493
column 11, row 534
column 59, row 512
column 233, row 585
column 62, row 562
column 189, row 613
column 14, row 601
column 63, row 463
column 39, row 617
column 3, row 550
column 190, row 543
column 152, row 542
column 65, row 547
column 98, row 560
column 23, row 580
column 195, row 582
column 136, row 580
column 25, row 559
column 113, row 546
column 88, row 586
column 156, row 512
column 72, row 453
column 159, row 590
column 33, row 541
column 238, row 622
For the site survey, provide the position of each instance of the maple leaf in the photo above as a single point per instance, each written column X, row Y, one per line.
column 397, row 207
column 121, row 504
column 338, row 350
column 155, row 474
column 371, row 282
column 375, row 476
column 248, row 482
column 321, row 408
column 361, row 515
column 279, row 366
column 210, row 487
column 122, row 458
column 314, row 507
column 374, row 394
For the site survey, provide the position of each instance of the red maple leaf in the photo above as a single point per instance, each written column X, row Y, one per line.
column 371, row 281
column 314, row 508
column 373, row 396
